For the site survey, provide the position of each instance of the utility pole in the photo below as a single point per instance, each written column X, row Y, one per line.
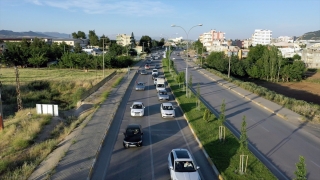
column 19, row 101
column 103, row 55
column 1, row 113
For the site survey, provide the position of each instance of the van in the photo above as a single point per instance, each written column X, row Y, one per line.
column 160, row 84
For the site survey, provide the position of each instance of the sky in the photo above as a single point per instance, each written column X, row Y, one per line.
column 236, row 18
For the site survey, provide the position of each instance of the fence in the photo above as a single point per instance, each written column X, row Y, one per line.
column 97, row 86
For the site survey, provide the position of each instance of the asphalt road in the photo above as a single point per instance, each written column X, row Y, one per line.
column 276, row 142
column 160, row 137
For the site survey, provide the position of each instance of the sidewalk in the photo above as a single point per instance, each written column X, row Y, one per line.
column 75, row 156
column 270, row 106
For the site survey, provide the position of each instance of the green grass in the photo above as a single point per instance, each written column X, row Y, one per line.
column 117, row 82
column 47, row 86
column 225, row 155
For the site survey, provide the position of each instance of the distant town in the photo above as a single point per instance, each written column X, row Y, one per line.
column 306, row 46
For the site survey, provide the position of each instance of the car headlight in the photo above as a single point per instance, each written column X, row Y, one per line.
column 140, row 141
column 125, row 142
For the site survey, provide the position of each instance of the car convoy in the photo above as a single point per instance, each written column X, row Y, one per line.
column 180, row 162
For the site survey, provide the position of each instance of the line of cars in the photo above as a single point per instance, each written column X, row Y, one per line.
column 180, row 162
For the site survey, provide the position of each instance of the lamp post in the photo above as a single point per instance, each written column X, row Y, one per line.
column 187, row 50
column 229, row 63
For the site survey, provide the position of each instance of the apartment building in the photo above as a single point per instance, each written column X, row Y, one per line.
column 123, row 39
column 262, row 37
column 210, row 38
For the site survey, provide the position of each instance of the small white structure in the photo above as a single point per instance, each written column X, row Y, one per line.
column 50, row 109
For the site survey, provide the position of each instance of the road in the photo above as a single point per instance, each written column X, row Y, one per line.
column 160, row 137
column 276, row 142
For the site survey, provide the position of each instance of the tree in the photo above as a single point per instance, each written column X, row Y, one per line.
column 37, row 59
column 144, row 41
column 93, row 38
column 79, row 35
column 222, row 116
column 198, row 98
column 132, row 41
column 206, row 115
column 104, row 39
column 301, row 172
column 180, row 78
column 243, row 137
column 77, row 48
column 296, row 57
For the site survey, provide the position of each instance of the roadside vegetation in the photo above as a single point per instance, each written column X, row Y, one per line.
column 225, row 154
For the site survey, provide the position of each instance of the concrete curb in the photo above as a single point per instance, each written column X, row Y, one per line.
column 199, row 142
column 112, row 118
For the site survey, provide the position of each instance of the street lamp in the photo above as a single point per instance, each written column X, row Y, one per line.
column 187, row 50
column 229, row 62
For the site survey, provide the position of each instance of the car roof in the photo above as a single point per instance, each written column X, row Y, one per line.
column 167, row 104
column 162, row 90
column 133, row 126
column 137, row 102
column 182, row 154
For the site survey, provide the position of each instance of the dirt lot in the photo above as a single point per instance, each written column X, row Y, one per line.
column 305, row 90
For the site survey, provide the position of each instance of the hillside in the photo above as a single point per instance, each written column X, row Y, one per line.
column 315, row 35
column 11, row 34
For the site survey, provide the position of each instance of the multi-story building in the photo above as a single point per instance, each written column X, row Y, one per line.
column 123, row 39
column 210, row 38
column 262, row 37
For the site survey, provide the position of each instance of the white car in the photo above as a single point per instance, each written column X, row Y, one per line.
column 155, row 71
column 167, row 110
column 182, row 166
column 137, row 109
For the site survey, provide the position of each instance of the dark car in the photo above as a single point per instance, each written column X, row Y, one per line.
column 154, row 76
column 133, row 136
column 143, row 72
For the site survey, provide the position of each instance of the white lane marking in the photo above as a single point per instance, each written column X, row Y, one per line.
column 315, row 164
column 264, row 128
column 151, row 153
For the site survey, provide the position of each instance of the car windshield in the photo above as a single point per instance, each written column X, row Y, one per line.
column 160, row 85
column 132, row 131
column 167, row 108
column 140, row 84
column 137, row 106
column 163, row 93
column 154, row 71
column 184, row 166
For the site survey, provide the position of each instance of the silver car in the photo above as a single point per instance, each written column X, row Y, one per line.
column 137, row 109
column 167, row 110
column 140, row 86
column 163, row 95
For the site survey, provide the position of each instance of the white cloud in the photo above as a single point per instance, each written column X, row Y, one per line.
column 127, row 7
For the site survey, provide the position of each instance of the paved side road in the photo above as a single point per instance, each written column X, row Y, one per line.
column 282, row 112
column 78, row 151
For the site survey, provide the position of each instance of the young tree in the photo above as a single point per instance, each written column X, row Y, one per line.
column 93, row 38
column 206, row 115
column 37, row 59
column 198, row 98
column 301, row 172
column 222, row 116
column 243, row 137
